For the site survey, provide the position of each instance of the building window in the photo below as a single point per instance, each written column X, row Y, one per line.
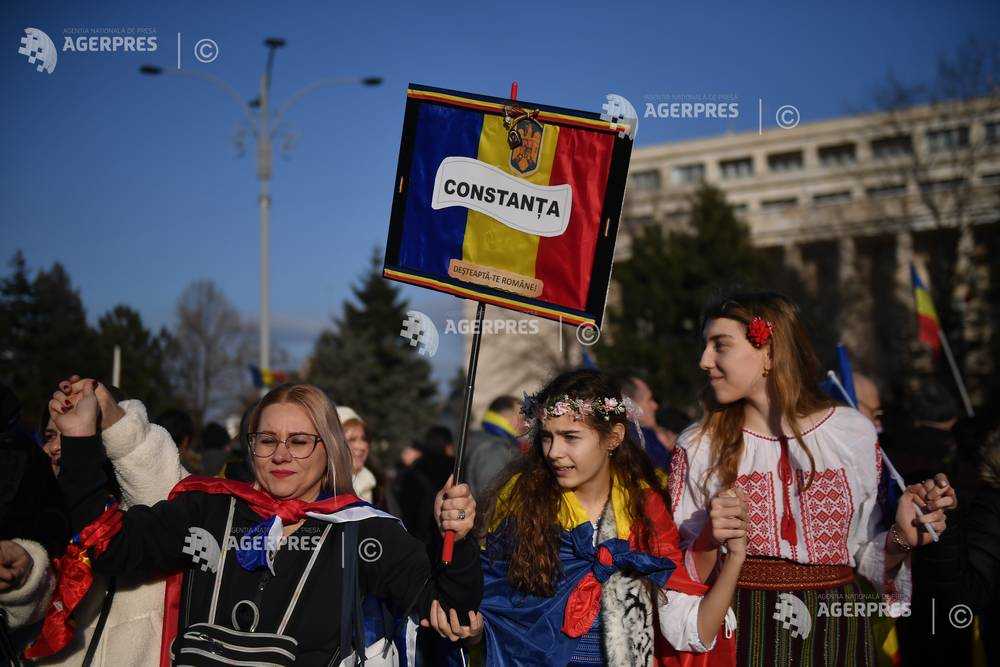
column 943, row 185
column 885, row 191
column 740, row 209
column 775, row 205
column 990, row 179
column 837, row 156
column 779, row 162
column 687, row 174
column 993, row 133
column 740, row 168
column 949, row 139
column 890, row 147
column 829, row 198
column 647, row 181
column 680, row 215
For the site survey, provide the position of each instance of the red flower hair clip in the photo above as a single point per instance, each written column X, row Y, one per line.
column 759, row 332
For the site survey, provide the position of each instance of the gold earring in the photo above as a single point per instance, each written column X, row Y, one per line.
column 765, row 372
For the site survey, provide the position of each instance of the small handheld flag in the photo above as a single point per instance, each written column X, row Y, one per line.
column 928, row 324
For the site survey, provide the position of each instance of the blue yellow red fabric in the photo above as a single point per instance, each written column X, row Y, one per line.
column 524, row 629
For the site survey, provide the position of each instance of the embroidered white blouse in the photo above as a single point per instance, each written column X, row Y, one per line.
column 837, row 518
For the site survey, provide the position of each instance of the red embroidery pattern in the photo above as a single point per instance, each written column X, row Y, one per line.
column 827, row 509
column 762, row 538
column 678, row 474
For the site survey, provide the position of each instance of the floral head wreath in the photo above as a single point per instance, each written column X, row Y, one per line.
column 759, row 331
column 601, row 408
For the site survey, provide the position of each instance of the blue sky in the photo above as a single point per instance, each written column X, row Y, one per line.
column 133, row 183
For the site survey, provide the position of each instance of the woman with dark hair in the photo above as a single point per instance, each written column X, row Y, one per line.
column 581, row 561
column 811, row 470
column 242, row 555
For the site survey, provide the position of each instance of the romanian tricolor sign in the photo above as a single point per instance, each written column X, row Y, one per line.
column 509, row 203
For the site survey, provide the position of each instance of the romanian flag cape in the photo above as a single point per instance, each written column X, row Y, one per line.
column 529, row 228
column 526, row 630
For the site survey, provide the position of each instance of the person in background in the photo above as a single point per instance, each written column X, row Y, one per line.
column 869, row 400
column 657, row 442
column 180, row 426
column 495, row 444
column 963, row 568
column 214, row 442
column 34, row 526
column 928, row 444
column 119, row 620
column 359, row 444
column 418, row 483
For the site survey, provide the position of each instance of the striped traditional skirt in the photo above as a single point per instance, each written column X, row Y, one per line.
column 805, row 626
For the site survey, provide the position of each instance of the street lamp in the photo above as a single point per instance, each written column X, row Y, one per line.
column 263, row 126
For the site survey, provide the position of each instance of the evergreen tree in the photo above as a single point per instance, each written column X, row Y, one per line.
column 44, row 335
column 365, row 364
column 665, row 284
column 144, row 375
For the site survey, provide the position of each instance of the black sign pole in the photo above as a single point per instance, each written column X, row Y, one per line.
column 470, row 385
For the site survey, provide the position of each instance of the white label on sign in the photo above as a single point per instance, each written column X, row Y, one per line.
column 542, row 210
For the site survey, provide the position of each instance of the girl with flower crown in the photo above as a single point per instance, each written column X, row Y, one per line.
column 811, row 470
column 581, row 560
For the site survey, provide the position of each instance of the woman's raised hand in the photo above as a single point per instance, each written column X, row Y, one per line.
column 455, row 509
column 110, row 410
column 75, row 413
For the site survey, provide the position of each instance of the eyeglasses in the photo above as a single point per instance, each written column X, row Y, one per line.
column 299, row 445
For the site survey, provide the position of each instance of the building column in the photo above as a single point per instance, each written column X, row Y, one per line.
column 904, row 260
column 850, row 293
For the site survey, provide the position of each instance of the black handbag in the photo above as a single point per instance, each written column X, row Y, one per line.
column 204, row 644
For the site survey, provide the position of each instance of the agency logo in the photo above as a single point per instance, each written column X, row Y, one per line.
column 421, row 333
column 616, row 109
column 793, row 615
column 202, row 547
column 39, row 49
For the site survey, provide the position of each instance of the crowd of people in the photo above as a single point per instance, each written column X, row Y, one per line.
column 592, row 527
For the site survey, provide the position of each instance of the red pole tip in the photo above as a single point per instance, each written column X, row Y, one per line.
column 448, row 548
column 513, row 91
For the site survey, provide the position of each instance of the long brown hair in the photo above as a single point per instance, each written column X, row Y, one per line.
column 792, row 382
column 323, row 414
column 526, row 515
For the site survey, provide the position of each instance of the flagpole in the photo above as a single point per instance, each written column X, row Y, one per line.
column 954, row 371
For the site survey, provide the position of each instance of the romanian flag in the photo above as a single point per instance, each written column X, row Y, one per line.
column 518, row 227
column 928, row 325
